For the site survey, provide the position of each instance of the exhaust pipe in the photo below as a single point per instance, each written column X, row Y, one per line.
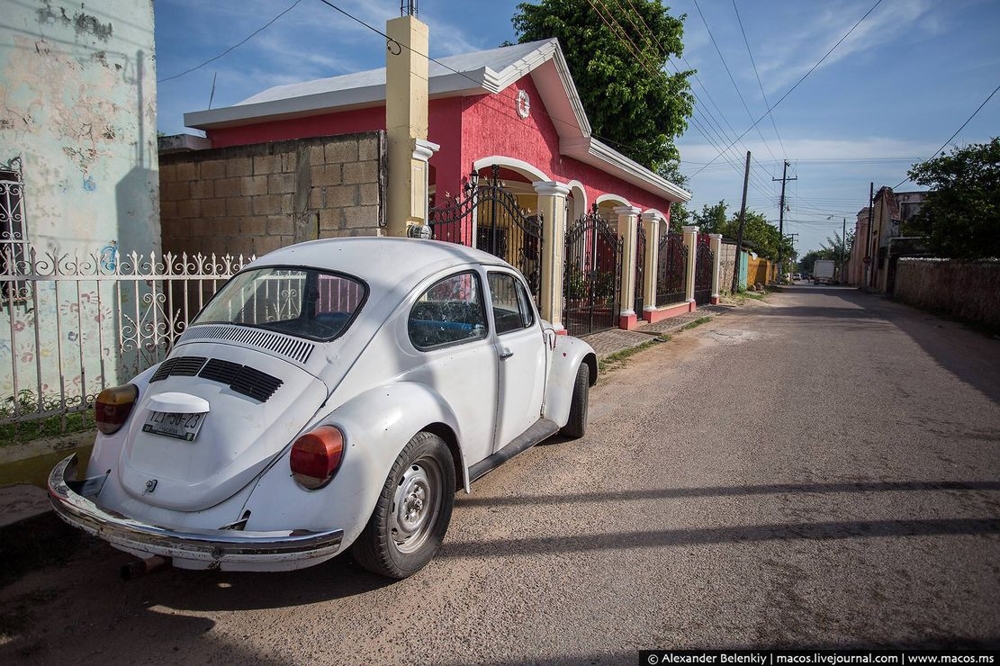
column 138, row 568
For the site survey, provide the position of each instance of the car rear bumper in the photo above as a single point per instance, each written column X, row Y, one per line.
column 222, row 548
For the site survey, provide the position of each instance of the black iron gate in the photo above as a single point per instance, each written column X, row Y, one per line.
column 670, row 267
column 592, row 276
column 703, row 271
column 502, row 227
column 640, row 269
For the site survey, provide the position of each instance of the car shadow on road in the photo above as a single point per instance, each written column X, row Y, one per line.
column 819, row 531
column 730, row 491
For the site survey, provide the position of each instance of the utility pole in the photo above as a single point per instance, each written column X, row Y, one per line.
column 843, row 249
column 794, row 238
column 868, row 242
column 781, row 212
column 739, row 232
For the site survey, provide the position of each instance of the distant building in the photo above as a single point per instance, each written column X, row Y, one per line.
column 889, row 211
column 856, row 264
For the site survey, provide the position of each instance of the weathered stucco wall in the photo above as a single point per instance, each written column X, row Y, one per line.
column 78, row 105
column 254, row 199
column 78, row 108
column 970, row 290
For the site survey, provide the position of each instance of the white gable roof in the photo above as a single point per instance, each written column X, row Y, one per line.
column 481, row 72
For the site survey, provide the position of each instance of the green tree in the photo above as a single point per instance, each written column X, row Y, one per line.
column 764, row 237
column 617, row 59
column 712, row 220
column 758, row 235
column 680, row 216
column 961, row 215
column 836, row 248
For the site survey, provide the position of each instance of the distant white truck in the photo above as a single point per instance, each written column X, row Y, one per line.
column 823, row 271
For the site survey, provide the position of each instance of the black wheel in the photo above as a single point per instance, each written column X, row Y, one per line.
column 412, row 512
column 577, row 425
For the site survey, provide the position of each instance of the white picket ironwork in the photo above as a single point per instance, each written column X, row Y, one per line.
column 71, row 327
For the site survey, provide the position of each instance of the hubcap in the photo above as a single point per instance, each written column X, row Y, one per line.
column 415, row 505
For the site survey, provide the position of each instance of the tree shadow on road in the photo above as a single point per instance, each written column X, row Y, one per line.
column 969, row 355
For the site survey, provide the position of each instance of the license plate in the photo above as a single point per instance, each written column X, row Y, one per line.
column 176, row 425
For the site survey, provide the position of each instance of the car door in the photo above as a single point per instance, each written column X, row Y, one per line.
column 448, row 327
column 520, row 348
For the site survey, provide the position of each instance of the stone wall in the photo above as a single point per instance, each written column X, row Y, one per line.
column 727, row 264
column 970, row 290
column 254, row 199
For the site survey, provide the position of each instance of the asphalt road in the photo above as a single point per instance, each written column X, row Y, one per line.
column 819, row 471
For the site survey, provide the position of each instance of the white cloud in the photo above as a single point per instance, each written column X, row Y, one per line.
column 861, row 148
column 796, row 52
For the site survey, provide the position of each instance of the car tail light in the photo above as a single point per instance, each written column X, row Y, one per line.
column 316, row 455
column 113, row 406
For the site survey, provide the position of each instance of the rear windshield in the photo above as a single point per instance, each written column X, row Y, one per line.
column 303, row 302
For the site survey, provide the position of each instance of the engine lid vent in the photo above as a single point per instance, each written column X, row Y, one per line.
column 240, row 378
column 294, row 348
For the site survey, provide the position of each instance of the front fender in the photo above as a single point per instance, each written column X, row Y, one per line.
column 569, row 353
column 377, row 425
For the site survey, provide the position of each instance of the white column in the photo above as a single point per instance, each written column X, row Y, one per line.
column 419, row 180
column 552, row 206
column 715, row 242
column 691, row 243
column 651, row 221
column 627, row 218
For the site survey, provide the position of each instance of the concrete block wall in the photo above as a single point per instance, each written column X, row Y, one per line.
column 257, row 198
column 727, row 264
column 970, row 290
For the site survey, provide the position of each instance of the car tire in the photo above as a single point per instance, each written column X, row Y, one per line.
column 576, row 426
column 413, row 510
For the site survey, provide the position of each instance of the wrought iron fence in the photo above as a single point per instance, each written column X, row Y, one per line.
column 670, row 270
column 72, row 326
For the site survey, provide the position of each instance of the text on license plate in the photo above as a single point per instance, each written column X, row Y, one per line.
column 171, row 424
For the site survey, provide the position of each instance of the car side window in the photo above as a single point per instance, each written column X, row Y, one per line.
column 511, row 307
column 449, row 312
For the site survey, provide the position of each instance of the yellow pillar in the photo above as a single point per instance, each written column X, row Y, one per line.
column 691, row 243
column 651, row 220
column 406, row 125
column 715, row 242
column 552, row 206
column 627, row 216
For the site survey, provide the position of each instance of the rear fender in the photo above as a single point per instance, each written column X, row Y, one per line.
column 108, row 448
column 569, row 353
column 377, row 425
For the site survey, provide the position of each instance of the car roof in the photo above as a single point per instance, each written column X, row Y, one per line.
column 378, row 259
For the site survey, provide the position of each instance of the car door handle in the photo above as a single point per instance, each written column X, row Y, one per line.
column 505, row 353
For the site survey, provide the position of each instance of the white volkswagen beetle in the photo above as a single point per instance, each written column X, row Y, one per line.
column 333, row 395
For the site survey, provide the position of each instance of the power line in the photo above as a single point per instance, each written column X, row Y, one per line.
column 967, row 121
column 389, row 40
column 619, row 32
column 731, row 79
column 235, row 46
column 804, row 76
column 720, row 133
column 759, row 84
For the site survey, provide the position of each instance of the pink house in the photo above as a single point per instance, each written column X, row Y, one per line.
column 514, row 108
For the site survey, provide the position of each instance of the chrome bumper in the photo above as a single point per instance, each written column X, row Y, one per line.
column 210, row 546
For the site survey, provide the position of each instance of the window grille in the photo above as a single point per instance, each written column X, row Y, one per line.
column 13, row 234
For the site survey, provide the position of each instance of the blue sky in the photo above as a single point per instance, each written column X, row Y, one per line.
column 889, row 95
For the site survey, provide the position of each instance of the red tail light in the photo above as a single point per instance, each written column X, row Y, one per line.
column 316, row 455
column 113, row 406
